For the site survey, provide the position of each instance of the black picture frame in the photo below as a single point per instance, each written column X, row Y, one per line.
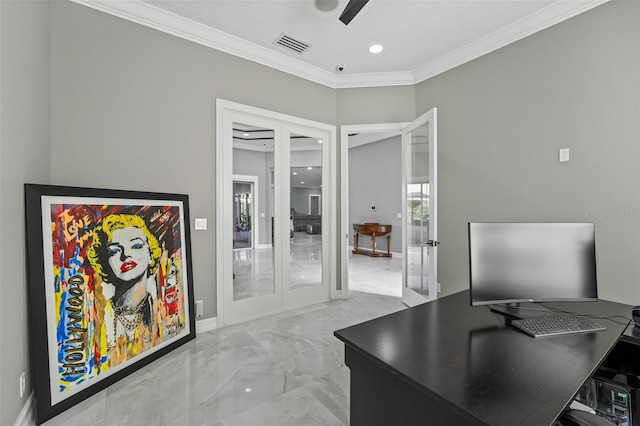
column 85, row 332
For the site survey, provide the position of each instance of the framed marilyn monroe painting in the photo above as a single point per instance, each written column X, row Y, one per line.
column 109, row 287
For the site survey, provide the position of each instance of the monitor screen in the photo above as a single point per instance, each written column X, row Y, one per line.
column 532, row 262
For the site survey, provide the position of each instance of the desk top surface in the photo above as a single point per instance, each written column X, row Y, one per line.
column 472, row 360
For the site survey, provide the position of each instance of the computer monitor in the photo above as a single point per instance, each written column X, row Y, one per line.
column 532, row 262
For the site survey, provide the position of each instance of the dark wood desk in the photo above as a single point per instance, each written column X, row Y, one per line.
column 447, row 363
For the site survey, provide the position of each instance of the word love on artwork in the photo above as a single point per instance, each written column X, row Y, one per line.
column 76, row 228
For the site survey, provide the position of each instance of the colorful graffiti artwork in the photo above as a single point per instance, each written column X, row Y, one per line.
column 116, row 286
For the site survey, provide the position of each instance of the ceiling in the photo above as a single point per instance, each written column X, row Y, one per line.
column 421, row 38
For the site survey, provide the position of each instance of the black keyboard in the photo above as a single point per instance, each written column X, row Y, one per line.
column 556, row 325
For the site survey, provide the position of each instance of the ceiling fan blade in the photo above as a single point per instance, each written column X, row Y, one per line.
column 352, row 9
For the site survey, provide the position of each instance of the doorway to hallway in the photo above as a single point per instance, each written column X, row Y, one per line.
column 374, row 163
column 370, row 205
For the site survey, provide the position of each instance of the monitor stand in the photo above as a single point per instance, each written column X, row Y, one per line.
column 508, row 309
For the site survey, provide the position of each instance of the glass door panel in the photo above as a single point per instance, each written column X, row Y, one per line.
column 306, row 242
column 253, row 268
column 418, row 235
column 306, row 233
column 419, row 226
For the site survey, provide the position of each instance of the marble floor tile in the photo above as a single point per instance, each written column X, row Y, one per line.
column 297, row 407
column 284, row 369
column 254, row 269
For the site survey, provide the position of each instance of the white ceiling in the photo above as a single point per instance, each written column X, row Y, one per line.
column 421, row 38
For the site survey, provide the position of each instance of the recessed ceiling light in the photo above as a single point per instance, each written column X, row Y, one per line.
column 309, row 168
column 246, row 134
column 319, row 140
column 301, row 183
column 295, row 173
column 376, row 48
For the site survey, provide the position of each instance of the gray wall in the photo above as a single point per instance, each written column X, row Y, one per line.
column 135, row 108
column 376, row 105
column 24, row 157
column 502, row 119
column 300, row 198
column 375, row 178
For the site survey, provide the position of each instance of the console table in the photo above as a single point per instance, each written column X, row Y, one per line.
column 448, row 363
column 373, row 230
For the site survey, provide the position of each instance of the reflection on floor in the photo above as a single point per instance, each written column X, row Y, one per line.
column 285, row 369
column 254, row 269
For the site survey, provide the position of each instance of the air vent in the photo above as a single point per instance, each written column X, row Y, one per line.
column 291, row 44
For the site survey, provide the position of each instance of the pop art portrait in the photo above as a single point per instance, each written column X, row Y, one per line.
column 115, row 286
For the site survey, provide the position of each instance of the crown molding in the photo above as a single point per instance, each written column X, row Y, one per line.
column 400, row 78
column 170, row 23
column 167, row 22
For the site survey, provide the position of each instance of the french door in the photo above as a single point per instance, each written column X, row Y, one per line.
column 419, row 225
column 288, row 265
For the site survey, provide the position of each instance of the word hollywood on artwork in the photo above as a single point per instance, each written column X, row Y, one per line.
column 74, row 345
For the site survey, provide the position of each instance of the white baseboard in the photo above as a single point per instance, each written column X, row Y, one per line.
column 338, row 294
column 208, row 324
column 27, row 415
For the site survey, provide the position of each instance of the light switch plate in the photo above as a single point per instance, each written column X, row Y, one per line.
column 201, row 224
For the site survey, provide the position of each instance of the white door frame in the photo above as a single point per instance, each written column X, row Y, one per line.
column 225, row 110
column 345, row 226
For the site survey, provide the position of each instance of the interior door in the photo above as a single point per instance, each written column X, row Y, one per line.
column 251, row 276
column 278, row 272
column 308, row 244
column 419, row 225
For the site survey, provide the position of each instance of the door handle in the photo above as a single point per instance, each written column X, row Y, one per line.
column 432, row 243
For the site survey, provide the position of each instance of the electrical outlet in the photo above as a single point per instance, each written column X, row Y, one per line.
column 438, row 288
column 563, row 155
column 199, row 308
column 23, row 383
